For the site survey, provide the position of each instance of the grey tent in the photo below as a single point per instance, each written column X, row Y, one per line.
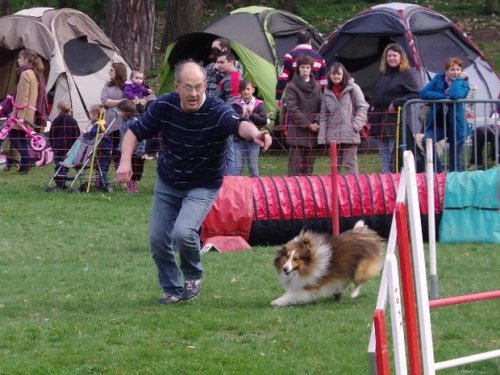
column 76, row 52
column 427, row 36
column 259, row 36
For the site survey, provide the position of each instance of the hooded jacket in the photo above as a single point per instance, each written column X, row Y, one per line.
column 342, row 119
column 303, row 104
column 438, row 89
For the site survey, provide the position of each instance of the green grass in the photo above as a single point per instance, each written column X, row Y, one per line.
column 273, row 163
column 78, row 295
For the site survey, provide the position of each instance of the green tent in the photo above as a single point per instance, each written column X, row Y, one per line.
column 260, row 37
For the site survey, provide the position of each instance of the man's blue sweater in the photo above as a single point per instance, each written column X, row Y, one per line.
column 194, row 143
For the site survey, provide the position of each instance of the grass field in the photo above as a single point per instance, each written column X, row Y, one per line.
column 78, row 295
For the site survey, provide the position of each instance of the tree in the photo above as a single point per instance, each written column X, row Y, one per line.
column 492, row 6
column 181, row 17
column 289, row 5
column 130, row 25
column 4, row 7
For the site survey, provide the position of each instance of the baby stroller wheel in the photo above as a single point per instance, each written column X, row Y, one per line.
column 38, row 142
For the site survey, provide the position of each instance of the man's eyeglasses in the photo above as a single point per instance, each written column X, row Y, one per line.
column 188, row 89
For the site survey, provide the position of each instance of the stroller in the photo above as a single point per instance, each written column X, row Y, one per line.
column 83, row 157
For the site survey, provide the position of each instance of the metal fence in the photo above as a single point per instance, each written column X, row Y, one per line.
column 466, row 133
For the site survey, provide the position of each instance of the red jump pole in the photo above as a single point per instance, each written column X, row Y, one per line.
column 381, row 348
column 335, row 189
column 464, row 299
column 408, row 290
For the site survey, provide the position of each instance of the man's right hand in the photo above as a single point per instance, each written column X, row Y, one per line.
column 279, row 104
column 123, row 174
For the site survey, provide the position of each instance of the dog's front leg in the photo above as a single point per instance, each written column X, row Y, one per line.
column 293, row 298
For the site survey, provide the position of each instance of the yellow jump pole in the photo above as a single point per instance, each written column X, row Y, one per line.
column 101, row 127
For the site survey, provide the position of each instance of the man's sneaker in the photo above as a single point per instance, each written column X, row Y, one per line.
column 191, row 289
column 169, row 299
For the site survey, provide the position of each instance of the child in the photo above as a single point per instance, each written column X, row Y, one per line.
column 135, row 89
column 253, row 109
column 303, row 104
column 129, row 116
column 104, row 150
column 63, row 133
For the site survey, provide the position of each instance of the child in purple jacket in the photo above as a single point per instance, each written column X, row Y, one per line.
column 136, row 90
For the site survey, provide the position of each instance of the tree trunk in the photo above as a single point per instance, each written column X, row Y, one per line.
column 181, row 17
column 130, row 25
column 67, row 4
column 491, row 6
column 4, row 7
column 291, row 6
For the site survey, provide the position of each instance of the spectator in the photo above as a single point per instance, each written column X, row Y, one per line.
column 128, row 113
column 395, row 85
column 228, row 86
column 290, row 66
column 453, row 84
column 112, row 94
column 213, row 74
column 136, row 90
column 96, row 133
column 484, row 134
column 303, row 102
column 30, row 92
column 64, row 131
column 343, row 114
column 227, row 90
column 189, row 174
column 252, row 109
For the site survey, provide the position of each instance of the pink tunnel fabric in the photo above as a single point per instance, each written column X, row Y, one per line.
column 271, row 210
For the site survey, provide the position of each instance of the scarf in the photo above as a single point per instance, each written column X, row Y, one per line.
column 337, row 90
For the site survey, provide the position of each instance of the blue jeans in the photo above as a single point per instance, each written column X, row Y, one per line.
column 386, row 150
column 455, row 149
column 176, row 218
column 246, row 152
column 230, row 159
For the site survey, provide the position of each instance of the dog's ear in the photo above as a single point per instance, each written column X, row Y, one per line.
column 305, row 238
column 281, row 252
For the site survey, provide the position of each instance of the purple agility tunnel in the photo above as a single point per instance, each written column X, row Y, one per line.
column 272, row 210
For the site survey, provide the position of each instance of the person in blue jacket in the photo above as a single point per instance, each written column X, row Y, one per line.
column 453, row 84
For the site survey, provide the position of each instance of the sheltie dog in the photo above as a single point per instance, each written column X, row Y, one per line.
column 314, row 265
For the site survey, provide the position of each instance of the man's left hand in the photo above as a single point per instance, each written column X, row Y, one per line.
column 263, row 139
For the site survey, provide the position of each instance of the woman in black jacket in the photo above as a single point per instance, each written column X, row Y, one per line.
column 396, row 84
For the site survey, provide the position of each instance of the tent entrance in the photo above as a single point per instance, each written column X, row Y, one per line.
column 361, row 54
column 8, row 66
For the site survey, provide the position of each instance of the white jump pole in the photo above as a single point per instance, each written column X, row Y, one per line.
column 466, row 360
column 398, row 336
column 429, row 173
column 417, row 243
